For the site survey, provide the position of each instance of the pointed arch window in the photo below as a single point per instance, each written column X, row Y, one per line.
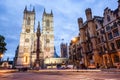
column 47, row 23
column 108, row 18
column 112, row 46
column 28, row 21
column 26, row 40
column 26, row 59
column 118, row 43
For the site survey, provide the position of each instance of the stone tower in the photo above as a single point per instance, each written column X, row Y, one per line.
column 83, row 40
column 93, row 37
column 64, row 50
column 26, row 38
column 47, row 34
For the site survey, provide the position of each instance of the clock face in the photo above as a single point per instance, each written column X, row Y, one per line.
column 27, row 30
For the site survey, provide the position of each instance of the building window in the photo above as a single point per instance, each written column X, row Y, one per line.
column 110, row 36
column 27, row 30
column 108, row 28
column 108, row 18
column 96, row 27
column 97, row 33
column 115, row 32
column 118, row 43
column 28, row 21
column 102, row 39
column 27, row 40
column 118, row 22
column 99, row 41
column 47, row 41
column 47, row 23
column 26, row 50
column 26, row 59
column 104, row 48
column 114, row 25
column 116, row 58
column 112, row 46
column 102, row 31
column 101, row 50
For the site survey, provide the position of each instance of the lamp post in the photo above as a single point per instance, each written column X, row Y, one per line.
column 75, row 61
column 1, row 55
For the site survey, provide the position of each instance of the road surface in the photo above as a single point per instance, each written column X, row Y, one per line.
column 55, row 75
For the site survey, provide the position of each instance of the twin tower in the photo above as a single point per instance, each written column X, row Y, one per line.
column 28, row 39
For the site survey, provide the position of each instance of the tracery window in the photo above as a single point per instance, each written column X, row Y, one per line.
column 26, row 40
column 47, row 23
column 108, row 18
column 28, row 21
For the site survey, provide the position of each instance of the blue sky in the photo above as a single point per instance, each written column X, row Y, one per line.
column 65, row 13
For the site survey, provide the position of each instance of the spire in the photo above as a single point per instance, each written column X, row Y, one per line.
column 33, row 9
column 88, row 14
column 38, row 29
column 25, row 9
column 39, row 24
column 80, row 23
column 118, row 3
column 44, row 11
column 51, row 13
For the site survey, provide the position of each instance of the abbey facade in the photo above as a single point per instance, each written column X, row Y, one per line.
column 26, row 52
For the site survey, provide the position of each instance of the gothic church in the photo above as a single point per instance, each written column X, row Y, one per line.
column 26, row 54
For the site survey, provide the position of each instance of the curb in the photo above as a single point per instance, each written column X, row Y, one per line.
column 66, row 70
column 7, row 71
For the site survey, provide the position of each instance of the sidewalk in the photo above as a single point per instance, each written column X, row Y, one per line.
column 67, row 70
column 111, row 70
column 8, row 70
column 63, row 70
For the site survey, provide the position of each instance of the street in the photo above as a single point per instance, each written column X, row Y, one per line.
column 56, row 75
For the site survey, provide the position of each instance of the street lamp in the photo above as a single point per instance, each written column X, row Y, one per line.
column 74, row 41
column 1, row 55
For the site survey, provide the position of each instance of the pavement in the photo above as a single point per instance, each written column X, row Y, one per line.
column 60, row 75
column 64, row 74
column 8, row 70
column 66, row 70
column 63, row 70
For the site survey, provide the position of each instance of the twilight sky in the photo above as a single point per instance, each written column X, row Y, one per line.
column 65, row 13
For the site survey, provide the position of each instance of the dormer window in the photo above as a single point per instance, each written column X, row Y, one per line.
column 108, row 18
